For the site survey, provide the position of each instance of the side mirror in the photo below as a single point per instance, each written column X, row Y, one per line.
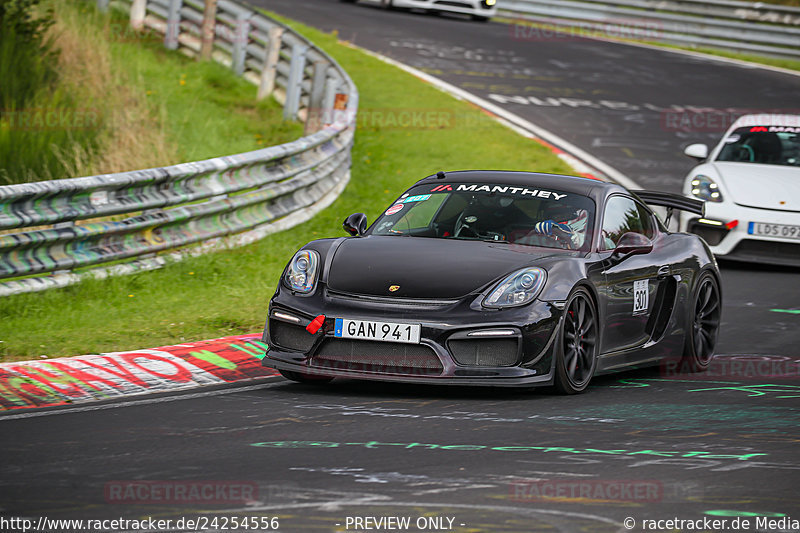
column 632, row 244
column 697, row 151
column 355, row 224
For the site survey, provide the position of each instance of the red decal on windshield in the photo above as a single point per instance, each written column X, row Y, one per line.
column 394, row 209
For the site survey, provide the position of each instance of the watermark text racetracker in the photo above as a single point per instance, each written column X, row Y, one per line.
column 713, row 120
column 180, row 492
column 740, row 367
column 44, row 524
column 398, row 118
column 624, row 490
column 620, row 28
column 55, row 118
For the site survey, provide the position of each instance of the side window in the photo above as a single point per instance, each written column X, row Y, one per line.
column 648, row 224
column 621, row 216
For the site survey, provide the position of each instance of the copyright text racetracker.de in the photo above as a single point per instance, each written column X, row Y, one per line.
column 738, row 523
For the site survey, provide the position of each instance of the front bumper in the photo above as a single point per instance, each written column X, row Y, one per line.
column 461, row 343
column 736, row 243
column 464, row 7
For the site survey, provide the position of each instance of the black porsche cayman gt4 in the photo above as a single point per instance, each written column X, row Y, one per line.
column 500, row 279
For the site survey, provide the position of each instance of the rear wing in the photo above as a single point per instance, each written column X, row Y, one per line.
column 672, row 201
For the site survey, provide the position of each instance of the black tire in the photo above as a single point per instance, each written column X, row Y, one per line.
column 480, row 18
column 348, row 1
column 299, row 377
column 387, row 4
column 576, row 344
column 703, row 324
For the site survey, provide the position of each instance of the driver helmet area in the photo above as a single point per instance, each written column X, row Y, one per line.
column 490, row 216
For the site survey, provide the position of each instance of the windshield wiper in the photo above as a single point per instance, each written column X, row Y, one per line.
column 481, row 239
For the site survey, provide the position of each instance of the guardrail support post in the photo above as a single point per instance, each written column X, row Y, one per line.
column 173, row 30
column 138, row 13
column 102, row 5
column 294, row 85
column 315, row 101
column 270, row 69
column 333, row 86
column 208, row 30
column 240, row 41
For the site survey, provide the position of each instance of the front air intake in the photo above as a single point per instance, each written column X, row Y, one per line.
column 377, row 357
column 289, row 336
column 485, row 352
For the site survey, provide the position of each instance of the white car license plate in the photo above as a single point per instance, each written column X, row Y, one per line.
column 377, row 331
column 786, row 231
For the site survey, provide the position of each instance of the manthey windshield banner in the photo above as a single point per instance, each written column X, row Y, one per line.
column 72, row 380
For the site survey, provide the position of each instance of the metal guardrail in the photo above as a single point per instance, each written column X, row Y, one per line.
column 52, row 228
column 747, row 27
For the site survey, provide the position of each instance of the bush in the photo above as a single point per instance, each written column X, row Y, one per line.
column 28, row 77
column 27, row 55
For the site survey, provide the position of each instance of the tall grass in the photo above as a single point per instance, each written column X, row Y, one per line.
column 27, row 55
column 122, row 102
column 34, row 128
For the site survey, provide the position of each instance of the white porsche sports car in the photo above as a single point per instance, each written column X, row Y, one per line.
column 477, row 9
column 751, row 185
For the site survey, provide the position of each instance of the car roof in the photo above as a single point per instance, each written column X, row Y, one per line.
column 574, row 184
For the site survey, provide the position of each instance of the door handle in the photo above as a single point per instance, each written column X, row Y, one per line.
column 664, row 272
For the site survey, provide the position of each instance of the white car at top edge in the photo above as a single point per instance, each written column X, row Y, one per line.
column 750, row 182
column 477, row 9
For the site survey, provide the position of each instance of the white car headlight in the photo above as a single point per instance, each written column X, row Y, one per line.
column 518, row 288
column 706, row 189
column 302, row 273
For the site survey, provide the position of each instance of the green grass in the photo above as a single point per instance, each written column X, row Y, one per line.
column 228, row 292
column 204, row 108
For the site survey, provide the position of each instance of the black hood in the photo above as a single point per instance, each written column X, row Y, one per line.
column 424, row 267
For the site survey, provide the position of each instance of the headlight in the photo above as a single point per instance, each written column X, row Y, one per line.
column 302, row 273
column 517, row 289
column 705, row 188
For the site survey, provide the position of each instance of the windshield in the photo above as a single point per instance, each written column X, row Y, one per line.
column 767, row 145
column 491, row 212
